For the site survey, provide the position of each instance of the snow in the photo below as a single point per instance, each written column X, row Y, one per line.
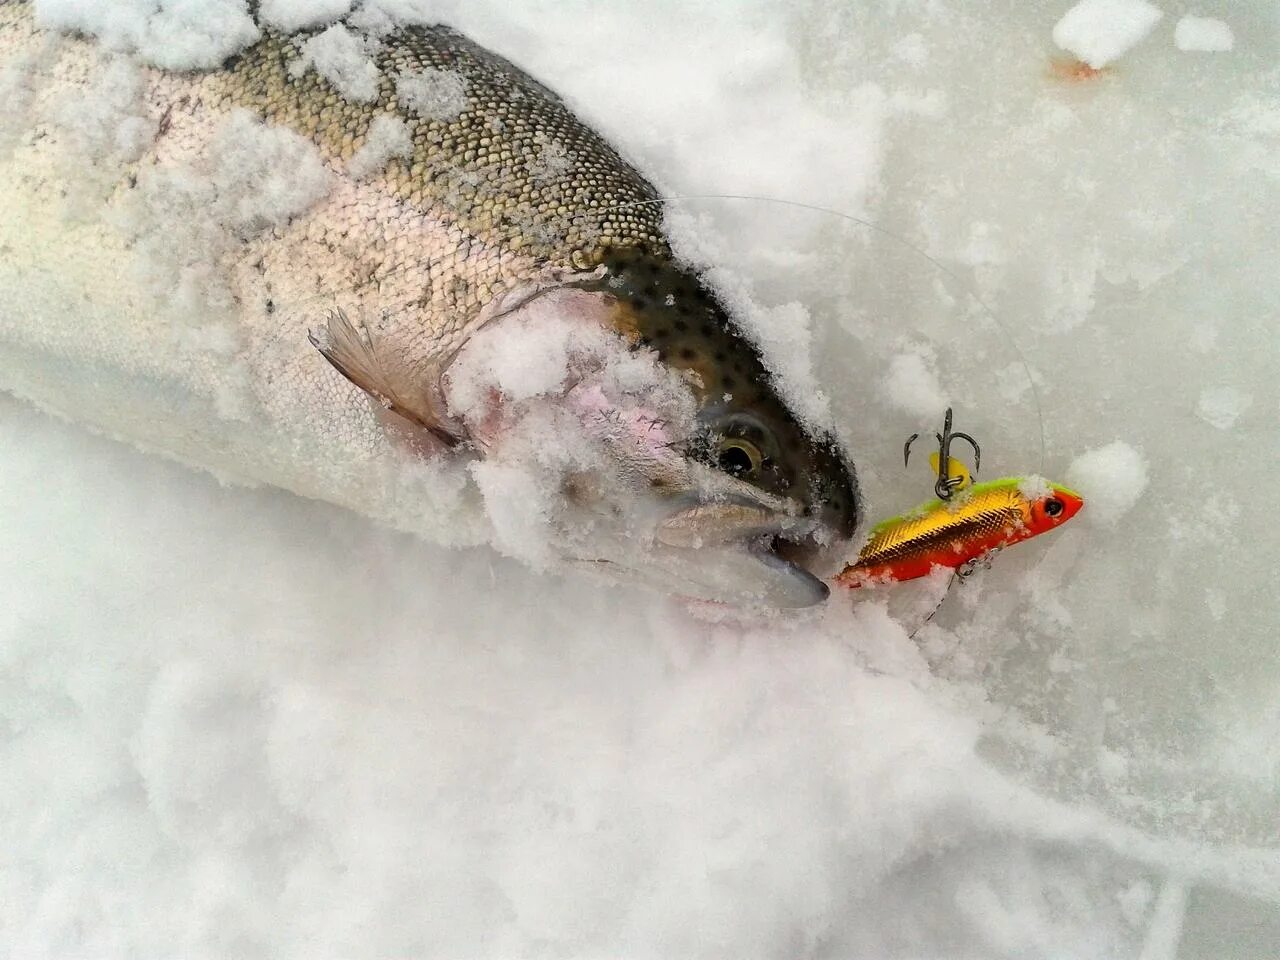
column 432, row 94
column 235, row 721
column 911, row 384
column 1111, row 479
column 185, row 215
column 342, row 58
column 388, row 137
column 290, row 16
column 1100, row 31
column 1203, row 34
column 175, row 34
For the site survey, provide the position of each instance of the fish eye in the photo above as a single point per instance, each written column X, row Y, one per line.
column 1053, row 506
column 738, row 457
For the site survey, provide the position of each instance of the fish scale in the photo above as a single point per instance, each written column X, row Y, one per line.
column 480, row 168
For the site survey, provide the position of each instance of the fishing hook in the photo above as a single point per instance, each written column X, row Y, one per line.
column 945, row 484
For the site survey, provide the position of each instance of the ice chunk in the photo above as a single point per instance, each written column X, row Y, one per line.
column 1111, row 479
column 388, row 137
column 1099, row 31
column 432, row 94
column 294, row 15
column 1203, row 34
column 342, row 58
column 1222, row 406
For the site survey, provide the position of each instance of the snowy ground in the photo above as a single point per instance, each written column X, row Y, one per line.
column 235, row 722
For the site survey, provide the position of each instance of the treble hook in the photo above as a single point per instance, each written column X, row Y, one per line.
column 945, row 484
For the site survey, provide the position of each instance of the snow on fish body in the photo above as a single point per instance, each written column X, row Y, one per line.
column 180, row 235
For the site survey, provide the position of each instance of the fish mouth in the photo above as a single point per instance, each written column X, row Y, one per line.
column 739, row 550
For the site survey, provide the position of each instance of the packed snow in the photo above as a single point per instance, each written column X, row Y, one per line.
column 237, row 721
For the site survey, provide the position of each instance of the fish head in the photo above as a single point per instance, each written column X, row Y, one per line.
column 1051, row 506
column 766, row 503
column 679, row 466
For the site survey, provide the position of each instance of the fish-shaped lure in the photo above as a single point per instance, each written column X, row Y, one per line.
column 975, row 522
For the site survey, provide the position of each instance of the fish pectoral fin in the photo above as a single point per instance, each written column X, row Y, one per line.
column 350, row 348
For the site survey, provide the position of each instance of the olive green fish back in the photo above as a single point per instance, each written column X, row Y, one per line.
column 513, row 167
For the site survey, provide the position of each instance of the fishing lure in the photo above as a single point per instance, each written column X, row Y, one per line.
column 962, row 531
column 965, row 525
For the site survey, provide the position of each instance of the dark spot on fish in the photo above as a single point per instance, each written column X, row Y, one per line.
column 687, row 354
column 719, row 356
column 681, row 326
column 641, row 303
column 729, row 383
column 271, row 306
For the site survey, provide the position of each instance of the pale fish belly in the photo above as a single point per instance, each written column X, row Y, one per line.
column 121, row 307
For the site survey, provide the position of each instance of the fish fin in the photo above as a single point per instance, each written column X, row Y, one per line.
column 350, row 348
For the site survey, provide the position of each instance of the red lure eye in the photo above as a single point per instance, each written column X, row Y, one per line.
column 1053, row 507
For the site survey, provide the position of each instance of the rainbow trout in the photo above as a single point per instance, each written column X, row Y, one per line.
column 304, row 260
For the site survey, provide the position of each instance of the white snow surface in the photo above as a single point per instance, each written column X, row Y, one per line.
column 1099, row 31
column 236, row 722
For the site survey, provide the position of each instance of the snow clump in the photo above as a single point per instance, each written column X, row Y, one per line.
column 290, row 16
column 1099, row 31
column 173, row 34
column 912, row 384
column 432, row 94
column 1203, row 34
column 388, row 137
column 342, row 58
column 1111, row 479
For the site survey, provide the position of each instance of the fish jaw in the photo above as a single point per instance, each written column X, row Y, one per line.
column 744, row 574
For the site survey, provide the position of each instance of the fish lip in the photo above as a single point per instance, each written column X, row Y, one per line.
column 758, row 530
column 698, row 522
column 807, row 584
